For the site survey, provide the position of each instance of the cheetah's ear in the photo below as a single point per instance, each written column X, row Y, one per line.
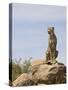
column 52, row 28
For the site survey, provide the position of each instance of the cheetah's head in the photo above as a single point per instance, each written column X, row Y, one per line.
column 50, row 30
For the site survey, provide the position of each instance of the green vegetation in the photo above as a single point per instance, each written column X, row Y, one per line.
column 16, row 71
column 26, row 65
column 17, row 67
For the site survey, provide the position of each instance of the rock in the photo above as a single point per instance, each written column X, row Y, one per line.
column 41, row 74
column 49, row 74
column 23, row 80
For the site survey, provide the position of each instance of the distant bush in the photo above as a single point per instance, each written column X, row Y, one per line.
column 16, row 71
column 25, row 66
column 16, row 68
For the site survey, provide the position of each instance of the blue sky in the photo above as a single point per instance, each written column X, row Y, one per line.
column 29, row 30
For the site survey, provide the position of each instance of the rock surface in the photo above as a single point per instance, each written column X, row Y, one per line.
column 43, row 74
column 23, row 80
column 49, row 74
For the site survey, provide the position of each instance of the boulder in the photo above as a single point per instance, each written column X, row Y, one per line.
column 23, row 80
column 43, row 74
column 49, row 74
